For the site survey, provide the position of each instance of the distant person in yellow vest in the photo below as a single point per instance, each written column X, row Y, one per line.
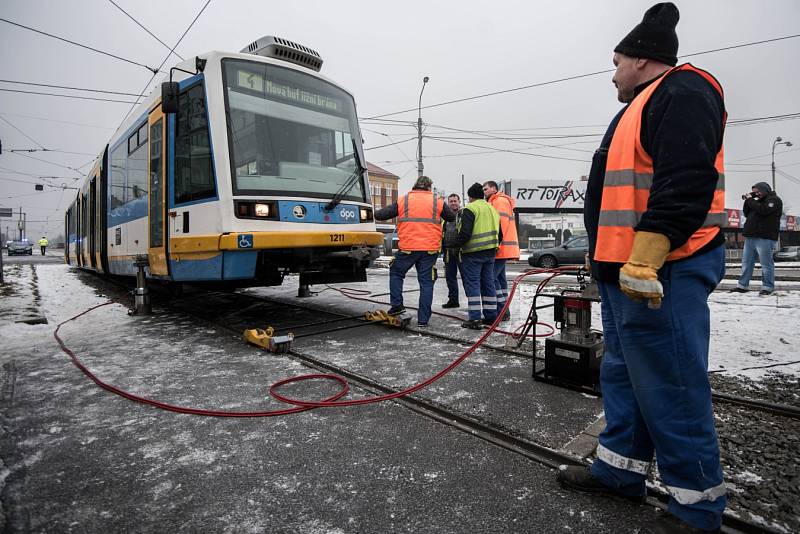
column 419, row 230
column 43, row 242
column 654, row 204
column 478, row 238
column 509, row 246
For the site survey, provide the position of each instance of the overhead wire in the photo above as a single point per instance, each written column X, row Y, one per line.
column 144, row 28
column 568, row 78
column 154, row 71
column 512, row 151
column 5, row 113
column 20, row 131
column 171, row 51
column 69, row 87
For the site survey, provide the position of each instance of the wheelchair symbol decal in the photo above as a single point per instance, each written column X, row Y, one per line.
column 246, row 241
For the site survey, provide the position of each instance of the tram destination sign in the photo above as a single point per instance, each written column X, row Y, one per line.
column 553, row 194
column 258, row 82
column 6, row 212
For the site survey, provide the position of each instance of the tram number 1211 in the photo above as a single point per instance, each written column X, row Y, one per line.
column 337, row 238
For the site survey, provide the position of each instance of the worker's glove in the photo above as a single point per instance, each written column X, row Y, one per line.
column 638, row 278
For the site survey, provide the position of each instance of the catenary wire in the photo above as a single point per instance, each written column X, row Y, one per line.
column 41, row 93
column 145, row 29
column 166, row 58
column 20, row 131
column 155, row 71
column 570, row 78
column 69, row 87
column 7, row 114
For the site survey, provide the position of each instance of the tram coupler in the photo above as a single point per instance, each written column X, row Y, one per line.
column 381, row 316
column 266, row 339
column 141, row 295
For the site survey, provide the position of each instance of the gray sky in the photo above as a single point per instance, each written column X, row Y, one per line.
column 380, row 51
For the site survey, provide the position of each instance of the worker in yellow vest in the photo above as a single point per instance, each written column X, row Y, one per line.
column 653, row 209
column 419, row 229
column 477, row 240
column 509, row 246
column 43, row 242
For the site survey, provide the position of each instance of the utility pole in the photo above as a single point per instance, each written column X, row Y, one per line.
column 463, row 199
column 420, row 167
column 778, row 141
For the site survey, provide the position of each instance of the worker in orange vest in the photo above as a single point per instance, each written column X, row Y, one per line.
column 419, row 229
column 509, row 246
column 653, row 209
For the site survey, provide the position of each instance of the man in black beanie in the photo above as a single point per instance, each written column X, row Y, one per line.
column 653, row 210
column 763, row 209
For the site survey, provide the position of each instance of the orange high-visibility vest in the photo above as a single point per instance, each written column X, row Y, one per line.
column 629, row 176
column 509, row 247
column 418, row 226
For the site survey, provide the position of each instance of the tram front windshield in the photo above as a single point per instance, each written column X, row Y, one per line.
column 289, row 133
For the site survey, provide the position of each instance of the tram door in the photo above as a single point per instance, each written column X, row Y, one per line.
column 93, row 222
column 157, row 247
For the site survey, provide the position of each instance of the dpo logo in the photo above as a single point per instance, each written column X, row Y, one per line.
column 346, row 214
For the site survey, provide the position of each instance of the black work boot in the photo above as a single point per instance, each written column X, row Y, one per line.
column 472, row 325
column 396, row 310
column 506, row 316
column 738, row 289
column 667, row 523
column 450, row 304
column 579, row 478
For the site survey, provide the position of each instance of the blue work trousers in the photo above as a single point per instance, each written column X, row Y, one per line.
column 451, row 270
column 424, row 262
column 764, row 248
column 477, row 273
column 500, row 283
column 656, row 393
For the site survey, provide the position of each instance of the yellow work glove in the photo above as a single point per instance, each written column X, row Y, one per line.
column 638, row 278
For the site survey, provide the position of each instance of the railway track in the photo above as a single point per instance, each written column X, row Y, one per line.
column 487, row 431
column 473, row 426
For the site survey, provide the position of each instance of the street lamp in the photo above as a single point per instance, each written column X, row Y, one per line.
column 776, row 142
column 419, row 129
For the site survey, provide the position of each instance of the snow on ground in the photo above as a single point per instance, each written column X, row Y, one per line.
column 748, row 331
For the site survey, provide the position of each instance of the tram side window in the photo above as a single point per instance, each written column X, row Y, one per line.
column 118, row 176
column 194, row 173
column 137, row 174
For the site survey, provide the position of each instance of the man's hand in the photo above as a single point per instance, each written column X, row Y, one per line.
column 638, row 278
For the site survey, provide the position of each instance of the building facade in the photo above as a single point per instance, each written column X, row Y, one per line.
column 383, row 188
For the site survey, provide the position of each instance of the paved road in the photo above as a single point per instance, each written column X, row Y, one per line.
column 52, row 256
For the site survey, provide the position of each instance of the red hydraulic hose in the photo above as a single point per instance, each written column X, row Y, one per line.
column 299, row 405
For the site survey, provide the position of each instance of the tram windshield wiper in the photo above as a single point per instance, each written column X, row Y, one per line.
column 350, row 182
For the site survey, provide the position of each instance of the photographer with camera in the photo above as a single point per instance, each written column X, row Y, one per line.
column 763, row 209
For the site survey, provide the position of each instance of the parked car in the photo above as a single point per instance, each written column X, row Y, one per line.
column 571, row 252
column 20, row 247
column 791, row 253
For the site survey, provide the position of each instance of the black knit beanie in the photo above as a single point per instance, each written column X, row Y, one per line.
column 475, row 191
column 655, row 36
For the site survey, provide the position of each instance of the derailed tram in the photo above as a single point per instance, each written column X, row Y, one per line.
column 245, row 168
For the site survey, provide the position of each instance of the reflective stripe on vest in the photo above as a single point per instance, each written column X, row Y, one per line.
column 629, row 177
column 418, row 227
column 509, row 247
column 485, row 229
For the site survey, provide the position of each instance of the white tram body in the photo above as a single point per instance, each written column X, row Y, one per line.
column 259, row 173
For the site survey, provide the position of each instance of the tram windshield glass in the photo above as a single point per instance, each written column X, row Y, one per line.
column 289, row 132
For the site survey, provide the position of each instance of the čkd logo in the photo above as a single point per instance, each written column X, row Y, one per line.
column 346, row 214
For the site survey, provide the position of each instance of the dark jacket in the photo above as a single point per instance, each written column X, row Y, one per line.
column 682, row 131
column 763, row 216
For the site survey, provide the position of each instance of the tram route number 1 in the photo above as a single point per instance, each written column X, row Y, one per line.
column 337, row 238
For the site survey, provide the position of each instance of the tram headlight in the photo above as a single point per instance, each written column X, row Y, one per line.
column 262, row 210
column 365, row 214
